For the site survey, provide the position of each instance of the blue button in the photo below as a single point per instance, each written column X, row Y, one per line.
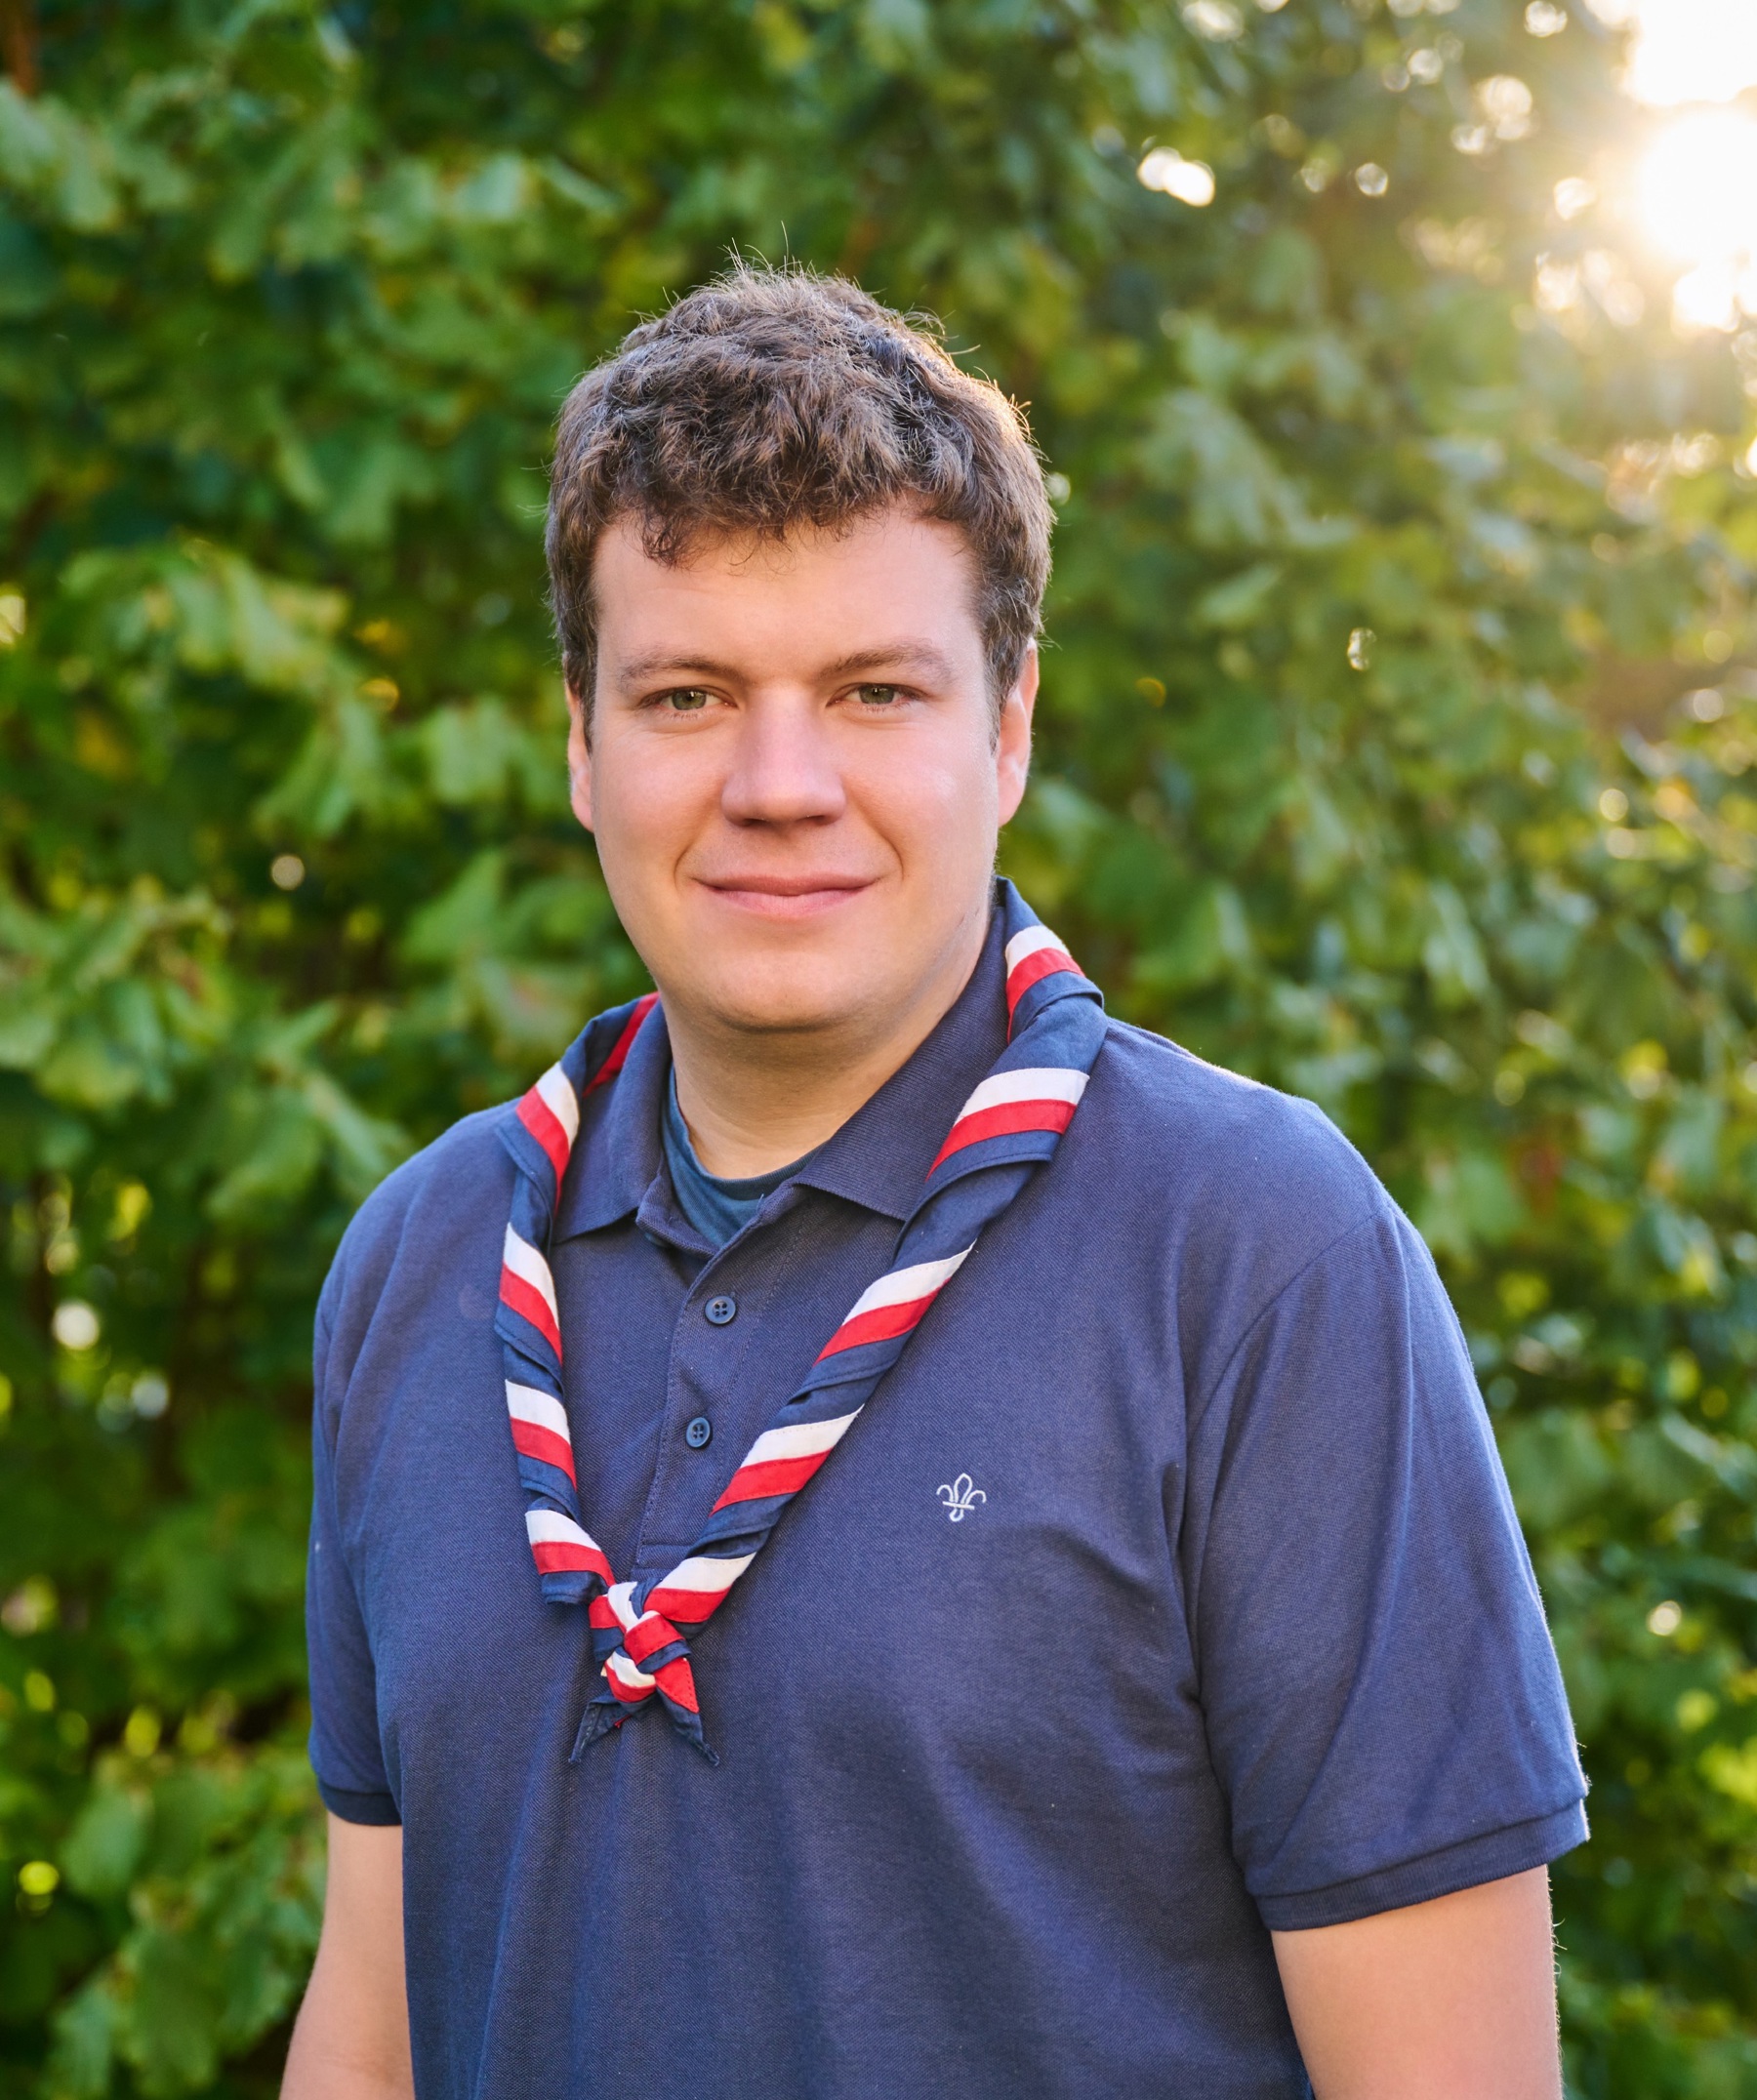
column 720, row 1312
column 700, row 1433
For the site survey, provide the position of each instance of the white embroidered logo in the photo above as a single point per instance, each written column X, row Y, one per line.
column 960, row 1497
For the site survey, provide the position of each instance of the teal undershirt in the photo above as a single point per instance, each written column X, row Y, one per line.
column 719, row 1210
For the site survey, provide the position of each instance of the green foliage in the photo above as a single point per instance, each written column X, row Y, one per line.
column 1366, row 766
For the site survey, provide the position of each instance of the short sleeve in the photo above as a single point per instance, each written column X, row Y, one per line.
column 1383, row 1701
column 345, row 1748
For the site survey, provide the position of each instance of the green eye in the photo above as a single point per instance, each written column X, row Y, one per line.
column 686, row 699
column 875, row 696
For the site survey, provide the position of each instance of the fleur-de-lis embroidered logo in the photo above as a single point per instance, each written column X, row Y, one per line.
column 960, row 1497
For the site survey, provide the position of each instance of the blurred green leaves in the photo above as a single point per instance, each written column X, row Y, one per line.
column 1397, row 748
column 210, row 1869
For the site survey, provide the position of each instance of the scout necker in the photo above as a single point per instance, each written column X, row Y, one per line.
column 880, row 1533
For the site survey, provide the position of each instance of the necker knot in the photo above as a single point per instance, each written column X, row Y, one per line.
column 641, row 1652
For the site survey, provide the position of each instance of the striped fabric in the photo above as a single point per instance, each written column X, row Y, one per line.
column 1009, row 1126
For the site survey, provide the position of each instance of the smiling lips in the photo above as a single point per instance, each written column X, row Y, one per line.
column 787, row 897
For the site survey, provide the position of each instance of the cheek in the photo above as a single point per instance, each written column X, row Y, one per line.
column 651, row 796
column 649, row 807
column 935, row 799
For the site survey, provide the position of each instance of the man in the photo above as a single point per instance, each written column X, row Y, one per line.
column 1101, row 1661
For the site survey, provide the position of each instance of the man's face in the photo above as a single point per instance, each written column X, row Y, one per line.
column 794, row 774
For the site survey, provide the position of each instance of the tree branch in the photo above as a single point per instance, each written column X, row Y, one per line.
column 19, row 44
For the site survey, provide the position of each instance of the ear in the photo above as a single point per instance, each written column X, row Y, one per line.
column 579, row 760
column 1012, row 743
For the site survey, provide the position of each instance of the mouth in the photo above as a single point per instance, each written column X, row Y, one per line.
column 785, row 897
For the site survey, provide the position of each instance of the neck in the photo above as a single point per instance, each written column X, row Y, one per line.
column 755, row 1100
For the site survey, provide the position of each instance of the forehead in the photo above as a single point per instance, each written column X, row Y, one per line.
column 894, row 577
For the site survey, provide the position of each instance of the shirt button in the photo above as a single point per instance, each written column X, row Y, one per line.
column 699, row 1433
column 720, row 1313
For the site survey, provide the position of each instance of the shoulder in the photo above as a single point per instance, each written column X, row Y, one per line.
column 1230, row 1142
column 419, row 1228
column 1235, row 1187
column 455, row 1168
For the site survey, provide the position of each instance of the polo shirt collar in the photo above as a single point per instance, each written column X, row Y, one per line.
column 620, row 1156
column 880, row 1156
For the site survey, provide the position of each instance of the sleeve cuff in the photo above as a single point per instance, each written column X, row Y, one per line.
column 375, row 1809
column 1488, row 1858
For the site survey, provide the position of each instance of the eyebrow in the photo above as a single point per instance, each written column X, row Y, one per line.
column 921, row 657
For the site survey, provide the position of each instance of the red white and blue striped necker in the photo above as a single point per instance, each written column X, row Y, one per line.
column 1009, row 1126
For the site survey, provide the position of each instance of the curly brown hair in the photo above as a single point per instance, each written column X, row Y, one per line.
column 771, row 399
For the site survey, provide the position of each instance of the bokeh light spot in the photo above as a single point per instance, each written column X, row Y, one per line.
column 1190, row 181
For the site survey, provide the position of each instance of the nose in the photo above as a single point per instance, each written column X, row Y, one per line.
column 784, row 769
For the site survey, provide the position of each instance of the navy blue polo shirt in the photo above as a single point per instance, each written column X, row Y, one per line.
column 1168, row 1591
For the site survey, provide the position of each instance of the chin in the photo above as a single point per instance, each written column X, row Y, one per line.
column 804, row 998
